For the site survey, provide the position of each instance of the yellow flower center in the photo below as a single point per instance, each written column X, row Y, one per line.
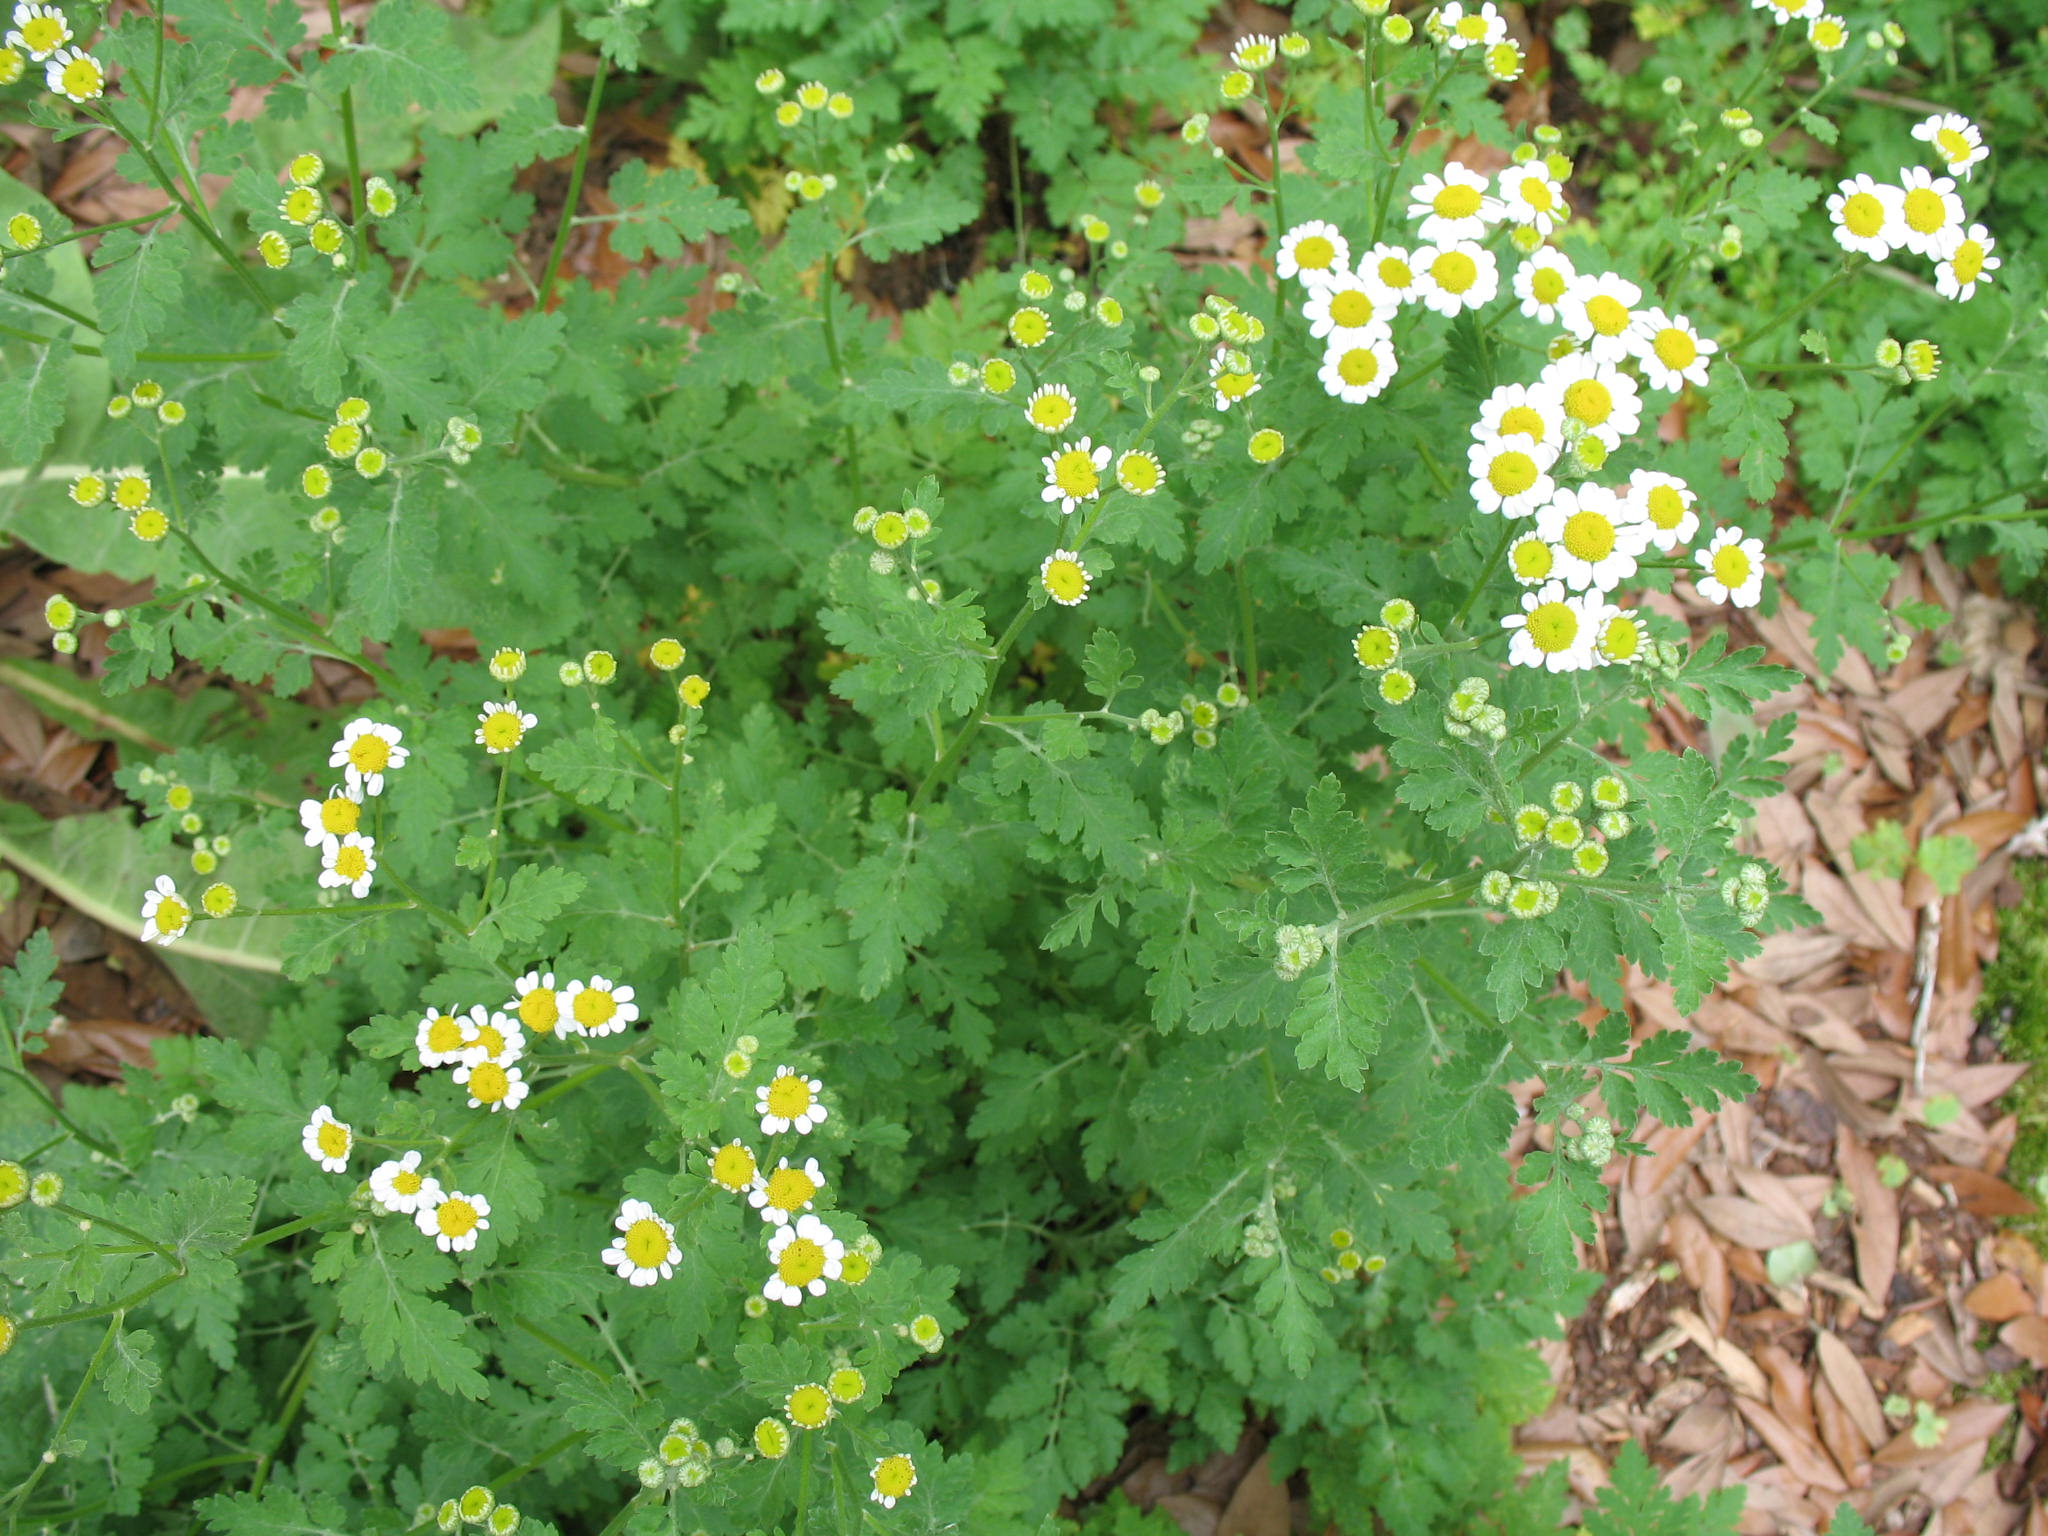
column 172, row 915
column 788, row 1097
column 1375, row 647
column 733, row 1166
column 81, row 78
column 1051, row 412
column 1066, row 580
column 1621, row 639
column 340, row 815
column 406, row 1182
column 491, row 1038
column 1351, row 308
column 503, row 730
column 43, row 34
column 1074, row 473
column 1537, row 194
column 1731, row 566
column 1511, row 473
column 1675, row 348
column 1588, row 401
column 1456, row 201
column 1828, row 35
column 1665, row 507
column 1525, row 420
column 332, row 1140
column 150, row 525
column 593, row 1007
column 1532, row 559
column 1471, row 28
column 790, row 1189
column 1606, row 314
column 809, row 1407
column 1925, row 212
column 369, row 754
column 1552, row 627
column 131, row 492
column 1314, row 254
column 802, row 1262
column 1589, row 536
column 444, row 1034
column 647, row 1244
column 539, row 1012
column 1968, row 262
column 455, row 1217
column 853, row 1269
column 1396, row 273
column 1862, row 214
column 1358, row 366
column 893, row 1476
column 1029, row 327
column 1138, row 473
column 1955, row 149
column 350, row 863
column 1454, row 271
column 1235, row 386
column 1547, row 284
column 488, row 1082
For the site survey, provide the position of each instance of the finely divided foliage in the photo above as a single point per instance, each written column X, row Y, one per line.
column 897, row 890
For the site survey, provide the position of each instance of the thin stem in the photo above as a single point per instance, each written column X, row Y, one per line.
column 575, row 194
column 348, row 139
column 21, row 1492
column 112, row 1225
column 1500, row 549
column 125, row 1304
column 496, row 836
column 1248, row 623
column 1795, row 307
column 301, row 1377
column 438, row 913
column 950, row 758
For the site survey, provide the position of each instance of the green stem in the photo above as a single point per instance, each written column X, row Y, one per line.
column 950, row 758
column 112, row 1225
column 438, row 913
column 575, row 194
column 283, row 1230
column 1248, row 621
column 1500, row 549
column 497, row 836
column 1275, row 116
column 301, row 1377
column 1796, row 306
column 50, row 1103
column 125, row 1304
column 22, row 1491
column 55, row 308
column 348, row 139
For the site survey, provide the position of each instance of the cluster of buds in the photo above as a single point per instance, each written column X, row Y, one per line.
column 1296, row 947
column 476, row 1506
column 1912, row 362
column 1378, row 647
column 1349, row 1260
column 1748, row 891
column 1469, row 714
column 682, row 1459
column 347, row 439
column 1594, row 1145
column 304, row 210
column 147, row 396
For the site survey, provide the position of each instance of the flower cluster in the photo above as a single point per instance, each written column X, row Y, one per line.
column 42, row 34
column 1922, row 213
column 347, row 439
column 1565, row 827
column 307, row 221
column 129, row 490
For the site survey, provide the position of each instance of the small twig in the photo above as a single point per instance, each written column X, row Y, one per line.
column 1923, row 978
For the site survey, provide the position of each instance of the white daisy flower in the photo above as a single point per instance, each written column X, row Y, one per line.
column 1050, row 408
column 645, row 1249
column 336, row 816
column 805, row 1255
column 490, row 1085
column 1958, row 141
column 1256, row 52
column 75, row 75
column 1455, row 278
column 1064, row 578
column 39, row 31
column 502, row 726
column 783, row 1192
column 1601, row 310
column 1784, row 12
column 1593, row 397
column 488, row 1035
column 1531, row 560
column 1597, row 537
column 441, row 1039
column 1471, row 26
column 1734, row 569
column 400, row 1189
column 165, row 914
column 327, row 1140
column 1394, row 268
column 1541, row 283
column 597, row 1008
column 1520, row 410
column 1928, row 214
column 1865, row 213
column 1073, row 473
column 1672, row 352
column 893, row 1478
column 454, row 1220
column 1358, row 367
column 1966, row 262
column 348, row 862
column 368, row 751
column 1664, row 504
column 789, row 1101
column 1454, row 206
column 1311, row 248
column 537, row 1002
column 1139, row 472
column 1618, row 635
column 1510, row 474
column 1552, row 630
column 1530, row 195
column 1230, row 384
column 1347, row 303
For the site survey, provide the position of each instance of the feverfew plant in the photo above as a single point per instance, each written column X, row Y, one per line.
column 821, row 913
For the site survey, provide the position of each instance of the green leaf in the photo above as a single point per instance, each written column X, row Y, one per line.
column 621, row 1429
column 27, row 991
column 277, row 1511
column 406, row 57
column 1750, row 423
column 326, row 323
column 32, row 399
column 591, row 766
column 534, row 896
column 1341, row 1003
column 396, row 549
column 1527, row 954
column 1713, row 678
column 1770, row 198
column 1946, row 860
column 140, row 273
column 386, row 1297
column 1881, row 850
column 1636, row 1503
column 131, row 1374
column 1073, row 796
column 660, row 210
column 1110, row 666
column 1843, row 589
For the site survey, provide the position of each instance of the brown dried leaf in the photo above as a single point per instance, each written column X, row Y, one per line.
column 1875, row 1221
column 1741, row 1371
column 2028, row 1338
column 1749, row 1223
column 1703, row 1265
column 1981, row 1193
column 1845, row 1374
column 1998, row 1299
column 1259, row 1507
column 1968, row 1424
column 1805, row 1460
column 1838, row 1432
